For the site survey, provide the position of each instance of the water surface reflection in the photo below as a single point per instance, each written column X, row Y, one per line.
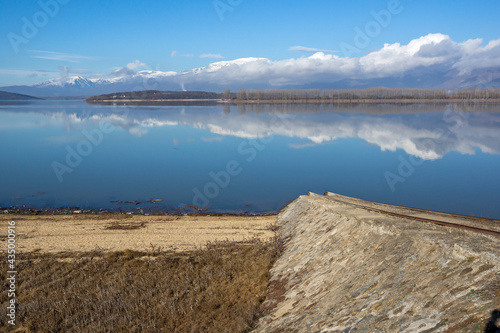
column 167, row 152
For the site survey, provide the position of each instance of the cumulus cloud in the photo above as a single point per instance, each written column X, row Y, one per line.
column 425, row 55
column 129, row 69
column 443, row 62
column 477, row 57
column 136, row 64
column 309, row 49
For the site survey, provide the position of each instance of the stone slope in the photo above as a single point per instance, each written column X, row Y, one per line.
column 347, row 269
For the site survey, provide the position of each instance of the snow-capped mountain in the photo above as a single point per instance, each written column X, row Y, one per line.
column 72, row 82
column 234, row 75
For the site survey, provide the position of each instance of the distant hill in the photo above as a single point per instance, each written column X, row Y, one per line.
column 11, row 96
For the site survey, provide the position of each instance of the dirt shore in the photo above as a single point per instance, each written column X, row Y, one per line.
column 116, row 232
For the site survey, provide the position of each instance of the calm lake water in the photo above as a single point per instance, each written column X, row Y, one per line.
column 248, row 158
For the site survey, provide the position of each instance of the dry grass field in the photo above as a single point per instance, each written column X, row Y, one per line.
column 214, row 281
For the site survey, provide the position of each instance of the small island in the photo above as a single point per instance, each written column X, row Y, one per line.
column 156, row 97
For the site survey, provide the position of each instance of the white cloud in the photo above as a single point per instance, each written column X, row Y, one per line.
column 212, row 139
column 429, row 54
column 136, row 64
column 211, row 55
column 435, row 57
column 129, row 70
column 476, row 57
column 176, row 53
column 138, row 131
column 309, row 49
column 25, row 72
column 62, row 72
column 58, row 56
column 428, row 138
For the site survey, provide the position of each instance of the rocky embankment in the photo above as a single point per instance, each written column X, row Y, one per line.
column 345, row 268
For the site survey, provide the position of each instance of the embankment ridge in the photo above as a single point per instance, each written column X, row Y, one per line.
column 346, row 267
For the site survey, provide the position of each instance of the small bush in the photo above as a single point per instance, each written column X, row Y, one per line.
column 125, row 226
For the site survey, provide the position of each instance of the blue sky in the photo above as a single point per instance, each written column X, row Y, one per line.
column 96, row 38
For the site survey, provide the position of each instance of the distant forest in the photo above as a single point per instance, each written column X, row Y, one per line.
column 331, row 95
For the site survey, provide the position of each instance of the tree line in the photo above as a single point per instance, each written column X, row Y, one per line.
column 380, row 93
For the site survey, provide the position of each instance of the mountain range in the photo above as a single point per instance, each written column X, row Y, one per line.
column 81, row 86
column 431, row 61
column 147, row 80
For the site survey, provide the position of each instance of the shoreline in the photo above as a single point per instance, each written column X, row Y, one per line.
column 365, row 101
column 91, row 101
column 194, row 212
column 142, row 211
column 80, row 233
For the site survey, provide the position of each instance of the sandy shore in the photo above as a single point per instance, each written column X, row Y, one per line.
column 114, row 232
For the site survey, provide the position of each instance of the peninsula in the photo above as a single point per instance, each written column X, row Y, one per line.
column 378, row 95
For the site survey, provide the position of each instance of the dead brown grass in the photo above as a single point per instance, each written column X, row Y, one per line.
column 125, row 226
column 217, row 289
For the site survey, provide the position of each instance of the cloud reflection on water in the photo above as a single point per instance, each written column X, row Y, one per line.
column 425, row 131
